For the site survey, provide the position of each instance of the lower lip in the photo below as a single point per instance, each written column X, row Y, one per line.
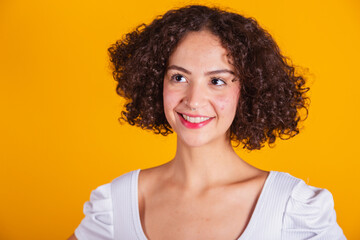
column 193, row 125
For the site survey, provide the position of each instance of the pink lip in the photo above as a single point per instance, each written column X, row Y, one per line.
column 193, row 125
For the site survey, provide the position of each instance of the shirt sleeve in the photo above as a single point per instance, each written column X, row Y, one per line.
column 98, row 221
column 310, row 215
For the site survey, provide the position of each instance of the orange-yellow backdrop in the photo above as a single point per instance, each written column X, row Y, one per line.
column 60, row 137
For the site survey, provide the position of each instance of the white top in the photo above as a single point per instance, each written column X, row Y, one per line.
column 287, row 209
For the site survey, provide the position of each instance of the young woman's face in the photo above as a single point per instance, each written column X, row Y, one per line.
column 201, row 90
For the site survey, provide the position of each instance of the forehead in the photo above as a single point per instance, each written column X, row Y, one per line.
column 201, row 50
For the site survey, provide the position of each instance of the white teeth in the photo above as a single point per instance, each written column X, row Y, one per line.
column 195, row 119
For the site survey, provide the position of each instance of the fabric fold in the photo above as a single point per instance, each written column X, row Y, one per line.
column 98, row 221
column 310, row 214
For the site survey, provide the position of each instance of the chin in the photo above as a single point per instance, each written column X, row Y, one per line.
column 195, row 141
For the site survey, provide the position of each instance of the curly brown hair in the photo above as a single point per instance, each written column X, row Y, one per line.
column 272, row 94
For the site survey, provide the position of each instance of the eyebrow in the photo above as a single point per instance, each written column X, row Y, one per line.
column 207, row 73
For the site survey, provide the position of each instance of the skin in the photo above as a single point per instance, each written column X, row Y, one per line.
column 200, row 76
column 206, row 191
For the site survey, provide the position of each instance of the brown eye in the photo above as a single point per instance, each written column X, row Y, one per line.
column 217, row 82
column 178, row 78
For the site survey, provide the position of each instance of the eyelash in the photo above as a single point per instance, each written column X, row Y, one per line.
column 173, row 78
column 215, row 78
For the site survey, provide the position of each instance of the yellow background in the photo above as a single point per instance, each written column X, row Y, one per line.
column 60, row 137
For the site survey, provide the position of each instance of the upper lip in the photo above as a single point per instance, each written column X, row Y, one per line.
column 192, row 115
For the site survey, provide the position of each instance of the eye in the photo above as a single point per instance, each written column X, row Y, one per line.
column 217, row 82
column 178, row 78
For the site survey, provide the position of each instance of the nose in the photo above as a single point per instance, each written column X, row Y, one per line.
column 195, row 96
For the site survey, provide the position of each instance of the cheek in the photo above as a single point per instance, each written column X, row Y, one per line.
column 227, row 103
column 171, row 98
column 223, row 102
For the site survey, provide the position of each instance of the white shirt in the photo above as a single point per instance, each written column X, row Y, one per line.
column 287, row 209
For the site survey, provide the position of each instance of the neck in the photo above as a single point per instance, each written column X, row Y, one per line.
column 199, row 168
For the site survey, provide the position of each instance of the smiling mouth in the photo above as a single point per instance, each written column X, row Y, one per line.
column 194, row 122
column 194, row 119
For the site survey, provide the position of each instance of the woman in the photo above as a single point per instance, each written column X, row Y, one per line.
column 212, row 77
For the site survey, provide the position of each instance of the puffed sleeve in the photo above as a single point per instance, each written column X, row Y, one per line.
column 310, row 214
column 98, row 221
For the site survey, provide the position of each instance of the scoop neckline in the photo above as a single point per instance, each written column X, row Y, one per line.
column 245, row 234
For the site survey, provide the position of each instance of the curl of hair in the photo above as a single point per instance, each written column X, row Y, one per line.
column 272, row 95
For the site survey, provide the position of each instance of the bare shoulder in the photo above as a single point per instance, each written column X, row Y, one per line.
column 248, row 184
column 258, row 175
column 150, row 179
column 256, row 179
column 250, row 176
column 149, row 175
column 147, row 178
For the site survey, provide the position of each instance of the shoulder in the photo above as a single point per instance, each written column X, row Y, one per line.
column 98, row 211
column 98, row 222
column 309, row 211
